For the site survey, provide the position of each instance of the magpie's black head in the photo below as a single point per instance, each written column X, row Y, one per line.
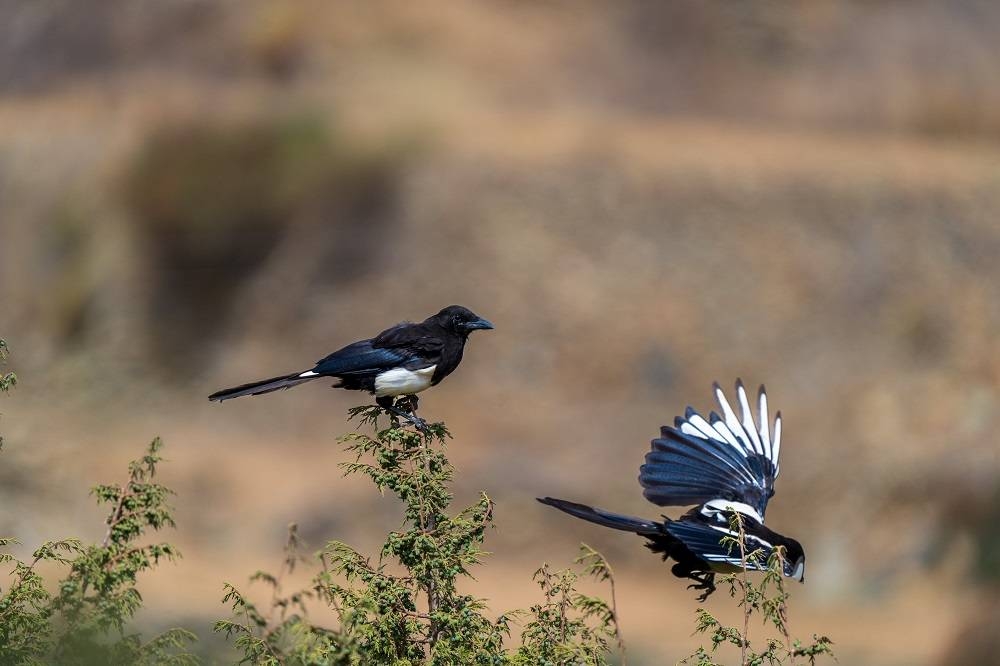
column 795, row 560
column 460, row 320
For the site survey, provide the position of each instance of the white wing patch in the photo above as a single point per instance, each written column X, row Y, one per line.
column 776, row 446
column 762, row 417
column 400, row 381
column 739, row 432
column 752, row 542
column 723, row 430
column 748, row 424
column 718, row 509
column 698, row 427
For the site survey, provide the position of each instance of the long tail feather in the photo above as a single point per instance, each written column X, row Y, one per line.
column 606, row 518
column 262, row 386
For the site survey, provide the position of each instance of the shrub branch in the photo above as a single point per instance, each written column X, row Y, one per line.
column 405, row 606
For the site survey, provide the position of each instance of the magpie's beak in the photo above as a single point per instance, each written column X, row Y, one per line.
column 478, row 324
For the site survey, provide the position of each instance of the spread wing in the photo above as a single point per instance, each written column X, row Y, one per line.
column 724, row 457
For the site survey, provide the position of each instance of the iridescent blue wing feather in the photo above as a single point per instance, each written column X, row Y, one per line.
column 360, row 357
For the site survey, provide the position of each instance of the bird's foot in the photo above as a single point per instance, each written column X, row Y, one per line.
column 705, row 581
column 407, row 413
column 418, row 423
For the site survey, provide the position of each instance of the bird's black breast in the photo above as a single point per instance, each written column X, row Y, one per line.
column 451, row 356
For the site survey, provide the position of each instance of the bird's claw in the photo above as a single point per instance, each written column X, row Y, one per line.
column 707, row 584
column 418, row 423
column 414, row 420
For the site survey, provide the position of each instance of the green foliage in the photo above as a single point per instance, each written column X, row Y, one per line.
column 403, row 607
column 8, row 379
column 767, row 599
column 84, row 621
column 418, row 615
column 569, row 627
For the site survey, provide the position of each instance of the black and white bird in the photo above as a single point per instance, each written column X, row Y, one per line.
column 724, row 464
column 401, row 361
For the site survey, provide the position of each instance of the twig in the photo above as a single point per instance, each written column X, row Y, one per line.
column 745, row 638
column 429, row 520
column 783, row 606
column 117, row 515
column 286, row 566
column 614, row 609
column 18, row 584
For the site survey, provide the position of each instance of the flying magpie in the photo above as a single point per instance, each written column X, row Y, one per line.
column 398, row 362
column 725, row 465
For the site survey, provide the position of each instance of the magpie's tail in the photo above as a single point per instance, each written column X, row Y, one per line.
column 263, row 386
column 606, row 518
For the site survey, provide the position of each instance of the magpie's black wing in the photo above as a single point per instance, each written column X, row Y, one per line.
column 706, row 542
column 360, row 357
column 406, row 345
column 725, row 457
column 418, row 343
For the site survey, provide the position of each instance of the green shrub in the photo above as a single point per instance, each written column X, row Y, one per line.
column 8, row 380
column 769, row 600
column 402, row 607
column 418, row 616
column 84, row 621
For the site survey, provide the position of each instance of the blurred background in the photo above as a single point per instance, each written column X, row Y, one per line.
column 643, row 196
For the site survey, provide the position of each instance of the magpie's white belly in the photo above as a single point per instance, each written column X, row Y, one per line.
column 400, row 381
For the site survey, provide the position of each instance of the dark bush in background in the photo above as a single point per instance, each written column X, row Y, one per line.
column 212, row 204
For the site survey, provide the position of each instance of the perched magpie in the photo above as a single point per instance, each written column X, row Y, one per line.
column 400, row 361
column 725, row 465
